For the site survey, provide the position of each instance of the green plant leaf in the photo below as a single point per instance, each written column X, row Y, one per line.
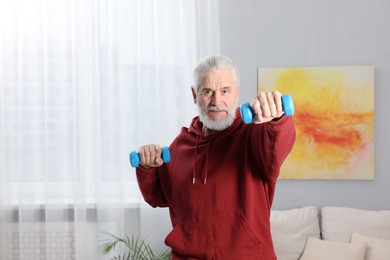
column 137, row 248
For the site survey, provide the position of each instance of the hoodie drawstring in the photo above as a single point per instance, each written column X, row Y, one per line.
column 204, row 177
column 194, row 168
column 207, row 161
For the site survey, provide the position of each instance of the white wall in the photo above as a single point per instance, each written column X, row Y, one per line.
column 280, row 33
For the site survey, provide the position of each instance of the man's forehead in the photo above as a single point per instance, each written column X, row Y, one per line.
column 215, row 86
column 218, row 78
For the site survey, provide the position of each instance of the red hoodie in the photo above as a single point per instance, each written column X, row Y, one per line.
column 219, row 189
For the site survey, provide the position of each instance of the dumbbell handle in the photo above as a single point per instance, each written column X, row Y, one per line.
column 135, row 159
column 247, row 112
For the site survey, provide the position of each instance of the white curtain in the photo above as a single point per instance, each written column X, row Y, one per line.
column 83, row 83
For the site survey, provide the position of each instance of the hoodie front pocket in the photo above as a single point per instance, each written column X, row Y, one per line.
column 214, row 236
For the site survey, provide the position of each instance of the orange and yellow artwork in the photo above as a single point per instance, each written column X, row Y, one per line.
column 334, row 119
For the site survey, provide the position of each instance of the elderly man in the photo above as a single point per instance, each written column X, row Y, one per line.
column 220, row 183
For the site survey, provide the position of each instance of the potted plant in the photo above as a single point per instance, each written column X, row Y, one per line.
column 130, row 248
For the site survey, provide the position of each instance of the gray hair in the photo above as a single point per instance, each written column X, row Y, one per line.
column 210, row 63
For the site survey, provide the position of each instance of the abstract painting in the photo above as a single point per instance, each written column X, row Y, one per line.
column 334, row 119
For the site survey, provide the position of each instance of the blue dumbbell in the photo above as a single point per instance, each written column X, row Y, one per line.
column 134, row 156
column 247, row 112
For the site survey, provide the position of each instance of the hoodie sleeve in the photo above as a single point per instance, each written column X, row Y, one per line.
column 271, row 143
column 149, row 184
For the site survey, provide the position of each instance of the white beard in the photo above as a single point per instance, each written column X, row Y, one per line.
column 216, row 124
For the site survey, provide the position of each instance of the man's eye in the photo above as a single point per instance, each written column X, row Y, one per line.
column 207, row 92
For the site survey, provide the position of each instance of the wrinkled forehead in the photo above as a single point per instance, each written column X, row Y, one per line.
column 218, row 78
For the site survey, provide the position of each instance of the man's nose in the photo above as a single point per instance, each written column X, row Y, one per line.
column 216, row 98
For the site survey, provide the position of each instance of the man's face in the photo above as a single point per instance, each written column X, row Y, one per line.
column 217, row 99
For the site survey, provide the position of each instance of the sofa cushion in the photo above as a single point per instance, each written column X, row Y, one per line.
column 338, row 223
column 317, row 249
column 290, row 230
column 377, row 249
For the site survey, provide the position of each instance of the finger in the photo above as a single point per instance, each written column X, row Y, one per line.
column 278, row 103
column 264, row 105
column 158, row 162
column 141, row 154
column 271, row 105
column 152, row 154
column 157, row 159
column 144, row 155
column 256, row 106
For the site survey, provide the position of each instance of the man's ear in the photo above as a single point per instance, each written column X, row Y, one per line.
column 193, row 94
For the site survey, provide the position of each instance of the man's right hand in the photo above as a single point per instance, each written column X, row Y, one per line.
column 150, row 156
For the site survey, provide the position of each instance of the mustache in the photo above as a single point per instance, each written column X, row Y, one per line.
column 215, row 108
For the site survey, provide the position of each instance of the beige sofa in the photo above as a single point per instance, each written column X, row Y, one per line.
column 331, row 233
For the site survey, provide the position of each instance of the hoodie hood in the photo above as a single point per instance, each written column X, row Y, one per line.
column 196, row 129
